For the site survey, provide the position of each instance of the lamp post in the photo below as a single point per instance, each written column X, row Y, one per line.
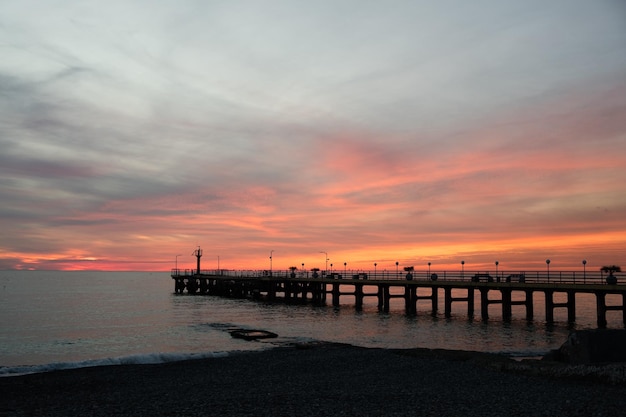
column 428, row 269
column 307, row 275
column 345, row 264
column 331, row 268
column 375, row 263
column 497, row 270
column 176, row 262
column 462, row 269
column 584, row 271
column 397, row 274
column 548, row 266
column 325, row 253
column 271, row 256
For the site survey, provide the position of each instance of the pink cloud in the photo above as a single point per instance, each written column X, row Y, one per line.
column 544, row 181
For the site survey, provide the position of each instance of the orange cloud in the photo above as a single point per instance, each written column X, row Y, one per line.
column 544, row 181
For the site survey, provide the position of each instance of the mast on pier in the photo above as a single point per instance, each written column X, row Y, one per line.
column 198, row 254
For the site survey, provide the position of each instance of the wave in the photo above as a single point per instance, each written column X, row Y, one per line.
column 519, row 355
column 141, row 359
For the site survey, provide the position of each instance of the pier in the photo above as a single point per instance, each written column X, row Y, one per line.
column 320, row 288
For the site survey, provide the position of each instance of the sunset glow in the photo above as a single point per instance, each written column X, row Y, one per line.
column 484, row 132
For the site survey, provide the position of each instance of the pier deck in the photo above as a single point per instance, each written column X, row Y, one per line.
column 303, row 287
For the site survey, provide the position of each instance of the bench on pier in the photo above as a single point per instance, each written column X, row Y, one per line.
column 483, row 277
column 516, row 278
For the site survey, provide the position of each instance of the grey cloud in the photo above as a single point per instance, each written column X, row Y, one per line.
column 227, row 113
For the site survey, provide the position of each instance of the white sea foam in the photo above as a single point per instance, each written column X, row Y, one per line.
column 145, row 359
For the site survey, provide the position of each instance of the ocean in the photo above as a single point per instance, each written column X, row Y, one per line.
column 57, row 320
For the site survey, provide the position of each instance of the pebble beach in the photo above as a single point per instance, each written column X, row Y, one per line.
column 319, row 379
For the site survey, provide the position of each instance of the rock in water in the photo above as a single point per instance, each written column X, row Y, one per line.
column 252, row 334
column 594, row 346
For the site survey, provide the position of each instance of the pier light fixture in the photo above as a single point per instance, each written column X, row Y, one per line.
column 345, row 264
column 497, row 263
column 271, row 259
column 584, row 271
column 397, row 269
column 198, row 254
column 548, row 266
column 326, row 253
column 375, row 263
column 462, row 269
column 428, row 269
column 331, row 268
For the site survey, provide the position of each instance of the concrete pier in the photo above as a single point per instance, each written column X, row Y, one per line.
column 500, row 290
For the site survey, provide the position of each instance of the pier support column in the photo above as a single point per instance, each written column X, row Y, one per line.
column 624, row 308
column 601, row 308
column 484, row 303
column 287, row 291
column 192, row 285
column 447, row 291
column 571, row 306
column 549, row 306
column 381, row 297
column 506, row 304
column 305, row 289
column 336, row 294
column 407, row 299
column 204, row 286
column 414, row 299
column 179, row 285
column 470, row 302
column 318, row 292
column 435, row 300
column 410, row 299
column 387, row 298
column 529, row 305
column 271, row 290
column 256, row 289
column 358, row 296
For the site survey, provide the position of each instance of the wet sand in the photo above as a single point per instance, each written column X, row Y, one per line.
column 316, row 380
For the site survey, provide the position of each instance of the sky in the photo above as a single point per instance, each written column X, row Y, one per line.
column 132, row 133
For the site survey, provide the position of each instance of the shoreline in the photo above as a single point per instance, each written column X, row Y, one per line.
column 154, row 358
column 319, row 379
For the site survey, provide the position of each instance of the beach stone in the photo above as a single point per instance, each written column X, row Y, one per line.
column 593, row 346
column 325, row 379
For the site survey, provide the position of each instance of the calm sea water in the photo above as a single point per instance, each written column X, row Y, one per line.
column 54, row 320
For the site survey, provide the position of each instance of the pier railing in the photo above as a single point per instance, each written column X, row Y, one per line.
column 531, row 277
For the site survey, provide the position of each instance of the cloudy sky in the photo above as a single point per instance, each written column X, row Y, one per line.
column 410, row 131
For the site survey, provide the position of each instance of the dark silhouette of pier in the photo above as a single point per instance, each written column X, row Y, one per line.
column 319, row 287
